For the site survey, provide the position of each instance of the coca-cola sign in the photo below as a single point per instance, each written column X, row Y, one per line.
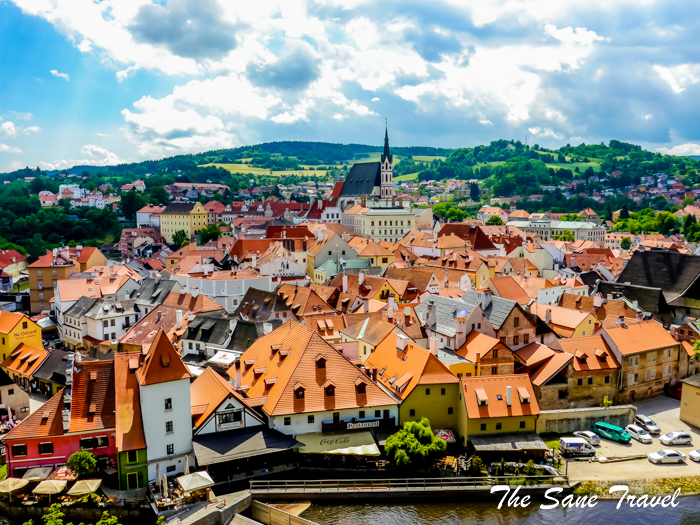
column 335, row 441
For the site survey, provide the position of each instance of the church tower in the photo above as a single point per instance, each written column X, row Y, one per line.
column 387, row 170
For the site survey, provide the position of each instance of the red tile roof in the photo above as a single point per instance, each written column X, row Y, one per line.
column 494, row 386
column 129, row 424
column 92, row 396
column 162, row 363
column 46, row 421
column 25, row 359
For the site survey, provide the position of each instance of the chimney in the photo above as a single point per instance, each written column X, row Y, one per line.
column 401, row 342
column 485, row 300
column 374, row 374
column 461, row 332
column 361, row 278
column 407, row 311
column 345, row 283
column 284, row 234
column 598, row 300
column 620, row 321
column 610, row 297
column 255, row 261
column 178, row 317
column 434, row 346
column 160, row 314
column 509, row 395
column 430, row 321
column 548, row 316
column 366, row 306
column 640, row 316
column 635, row 304
column 237, row 364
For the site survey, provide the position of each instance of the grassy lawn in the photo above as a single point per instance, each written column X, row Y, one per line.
column 407, row 177
column 22, row 287
column 426, row 158
column 582, row 166
column 245, row 168
column 552, row 439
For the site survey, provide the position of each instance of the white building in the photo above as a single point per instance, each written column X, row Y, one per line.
column 547, row 229
column 164, row 388
column 227, row 288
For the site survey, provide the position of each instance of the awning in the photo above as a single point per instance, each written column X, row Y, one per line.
column 342, row 444
column 12, row 484
column 230, row 445
column 84, row 486
column 50, row 486
column 37, row 473
column 195, row 481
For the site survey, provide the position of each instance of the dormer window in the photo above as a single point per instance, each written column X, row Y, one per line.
column 481, row 397
column 329, row 388
column 299, row 391
column 360, row 386
column 320, row 361
column 275, row 348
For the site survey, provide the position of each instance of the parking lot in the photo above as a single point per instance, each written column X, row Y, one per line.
column 665, row 411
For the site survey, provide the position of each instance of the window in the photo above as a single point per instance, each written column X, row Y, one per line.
column 651, row 357
column 651, row 374
column 169, row 404
column 168, row 426
column 522, row 424
column 330, row 391
column 499, row 426
column 105, row 324
column 526, row 339
column 102, row 441
column 494, row 370
column 427, row 391
column 231, row 417
column 87, row 443
column 287, row 421
column 667, row 370
column 170, row 449
column 53, row 272
column 483, row 427
column 19, row 450
column 450, row 410
column 132, row 456
column 590, row 380
column 41, row 295
column 503, row 340
column 111, row 323
column 516, row 321
column 516, row 340
column 631, row 379
column 39, row 273
column 362, row 414
column 310, row 420
column 633, row 361
column 377, row 413
column 11, row 392
column 495, row 353
column 607, row 380
column 442, row 391
column 412, row 412
column 579, row 382
column 45, row 448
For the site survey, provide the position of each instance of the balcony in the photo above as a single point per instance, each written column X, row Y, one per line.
column 358, row 424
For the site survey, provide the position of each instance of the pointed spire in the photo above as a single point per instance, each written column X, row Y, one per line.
column 387, row 153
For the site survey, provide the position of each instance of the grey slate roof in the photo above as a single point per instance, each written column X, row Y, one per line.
column 208, row 330
column 648, row 299
column 246, row 333
column 507, row 442
column 81, row 306
column 362, row 179
column 496, row 312
column 445, row 313
column 218, row 447
column 152, row 291
column 53, row 368
column 178, row 208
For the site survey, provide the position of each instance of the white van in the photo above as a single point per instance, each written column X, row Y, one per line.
column 572, row 447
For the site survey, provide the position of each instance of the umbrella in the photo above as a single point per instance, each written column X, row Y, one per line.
column 12, row 484
column 84, row 486
column 165, row 486
column 157, row 472
column 187, row 465
column 53, row 486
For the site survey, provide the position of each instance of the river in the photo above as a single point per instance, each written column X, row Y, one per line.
column 604, row 513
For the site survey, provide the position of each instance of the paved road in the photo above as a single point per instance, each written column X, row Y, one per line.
column 665, row 411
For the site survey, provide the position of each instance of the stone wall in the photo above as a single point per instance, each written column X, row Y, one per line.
column 570, row 420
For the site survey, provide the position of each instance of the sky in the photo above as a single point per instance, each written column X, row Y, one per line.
column 101, row 82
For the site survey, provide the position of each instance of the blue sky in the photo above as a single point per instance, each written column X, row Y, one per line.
column 102, row 82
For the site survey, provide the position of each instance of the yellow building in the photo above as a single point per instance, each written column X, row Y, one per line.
column 368, row 333
column 12, row 263
column 497, row 404
column 566, row 322
column 190, row 217
column 690, row 401
column 380, row 224
column 424, row 384
column 16, row 328
column 375, row 253
column 57, row 265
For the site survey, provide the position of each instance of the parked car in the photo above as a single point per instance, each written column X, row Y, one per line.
column 694, row 455
column 612, row 432
column 589, row 436
column 638, row 433
column 667, row 456
column 678, row 437
column 576, row 447
column 647, row 424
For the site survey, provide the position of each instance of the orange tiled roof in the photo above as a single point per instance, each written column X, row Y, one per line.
column 46, row 421
column 492, row 387
column 406, row 369
column 8, row 320
column 633, row 338
column 508, row 288
column 591, row 353
column 296, row 363
column 162, row 363
column 478, row 343
column 209, row 391
column 689, row 349
column 92, row 396
column 303, row 300
column 550, row 368
column 534, row 354
column 25, row 359
column 197, row 305
column 129, row 424
column 161, row 317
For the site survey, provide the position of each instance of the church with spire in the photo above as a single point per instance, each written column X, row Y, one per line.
column 371, row 183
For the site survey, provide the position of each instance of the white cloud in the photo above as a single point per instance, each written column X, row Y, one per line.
column 4, row 148
column 64, row 76
column 485, row 121
column 681, row 150
column 95, row 156
column 679, row 77
column 375, row 99
column 31, row 130
column 646, row 117
column 8, row 129
column 85, row 46
column 569, row 35
column 122, row 75
column 546, row 132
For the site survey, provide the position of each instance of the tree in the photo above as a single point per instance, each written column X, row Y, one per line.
column 55, row 517
column 131, row 202
column 687, row 201
column 566, row 236
column 82, row 462
column 625, row 243
column 179, row 237
column 210, row 233
column 494, row 220
column 474, row 192
column 414, row 444
column 624, row 212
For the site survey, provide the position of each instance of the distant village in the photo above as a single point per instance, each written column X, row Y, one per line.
column 183, row 365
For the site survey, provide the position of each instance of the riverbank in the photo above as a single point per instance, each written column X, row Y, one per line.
column 689, row 485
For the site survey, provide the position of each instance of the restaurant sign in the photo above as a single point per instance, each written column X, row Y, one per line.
column 362, row 424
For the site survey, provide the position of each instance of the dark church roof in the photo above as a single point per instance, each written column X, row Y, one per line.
column 362, row 179
column 387, row 154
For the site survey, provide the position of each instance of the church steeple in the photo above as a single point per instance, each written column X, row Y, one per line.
column 387, row 154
